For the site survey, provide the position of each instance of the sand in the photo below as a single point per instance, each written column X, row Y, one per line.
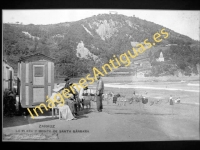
column 133, row 122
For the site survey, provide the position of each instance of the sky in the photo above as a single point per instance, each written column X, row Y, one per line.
column 181, row 21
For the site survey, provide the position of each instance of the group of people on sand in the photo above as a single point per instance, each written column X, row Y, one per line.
column 75, row 100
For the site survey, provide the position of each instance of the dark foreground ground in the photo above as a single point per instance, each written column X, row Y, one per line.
column 133, row 122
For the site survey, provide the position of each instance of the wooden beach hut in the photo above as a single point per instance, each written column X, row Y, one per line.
column 36, row 77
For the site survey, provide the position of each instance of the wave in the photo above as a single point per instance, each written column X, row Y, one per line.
column 142, row 87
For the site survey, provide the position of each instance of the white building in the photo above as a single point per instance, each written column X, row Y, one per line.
column 113, row 12
column 140, row 74
column 161, row 58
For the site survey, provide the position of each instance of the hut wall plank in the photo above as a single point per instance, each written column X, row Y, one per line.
column 49, row 72
column 31, row 83
column 52, row 76
column 49, row 91
column 27, row 95
column 20, row 94
column 27, row 72
column 23, row 75
column 46, row 80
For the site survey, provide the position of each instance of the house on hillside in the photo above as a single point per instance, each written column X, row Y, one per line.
column 170, row 45
column 140, row 74
column 113, row 12
column 178, row 73
column 161, row 58
column 140, row 62
column 140, row 59
column 140, row 65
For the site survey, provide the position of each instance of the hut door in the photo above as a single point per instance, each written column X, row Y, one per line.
column 39, row 82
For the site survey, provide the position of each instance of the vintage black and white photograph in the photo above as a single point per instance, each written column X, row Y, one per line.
column 100, row 75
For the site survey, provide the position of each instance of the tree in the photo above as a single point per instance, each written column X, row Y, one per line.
column 198, row 67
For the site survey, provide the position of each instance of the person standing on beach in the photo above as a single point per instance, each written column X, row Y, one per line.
column 67, row 82
column 99, row 92
column 171, row 102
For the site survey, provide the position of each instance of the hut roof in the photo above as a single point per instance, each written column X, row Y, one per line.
column 35, row 57
column 7, row 63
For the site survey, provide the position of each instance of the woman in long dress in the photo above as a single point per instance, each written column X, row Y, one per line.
column 65, row 111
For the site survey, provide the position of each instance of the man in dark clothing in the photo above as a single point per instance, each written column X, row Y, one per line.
column 71, row 102
column 9, row 101
column 67, row 84
column 99, row 92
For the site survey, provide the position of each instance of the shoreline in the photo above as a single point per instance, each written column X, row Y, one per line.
column 142, row 87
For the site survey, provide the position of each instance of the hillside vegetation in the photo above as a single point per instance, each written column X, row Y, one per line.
column 100, row 36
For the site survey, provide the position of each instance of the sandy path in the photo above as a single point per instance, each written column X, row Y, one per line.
column 122, row 123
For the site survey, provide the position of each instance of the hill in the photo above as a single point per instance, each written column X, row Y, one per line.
column 78, row 46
